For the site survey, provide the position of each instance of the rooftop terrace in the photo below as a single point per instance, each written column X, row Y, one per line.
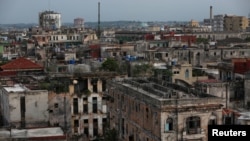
column 160, row 93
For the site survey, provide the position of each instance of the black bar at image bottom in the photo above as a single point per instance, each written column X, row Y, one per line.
column 216, row 132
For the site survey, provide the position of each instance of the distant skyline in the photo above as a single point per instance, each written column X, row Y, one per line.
column 26, row 11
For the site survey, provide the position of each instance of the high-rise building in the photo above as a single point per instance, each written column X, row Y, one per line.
column 50, row 20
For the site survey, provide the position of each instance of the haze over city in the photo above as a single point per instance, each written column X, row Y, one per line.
column 26, row 11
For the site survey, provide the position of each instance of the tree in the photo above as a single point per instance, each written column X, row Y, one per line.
column 247, row 39
column 202, row 40
column 142, row 70
column 111, row 135
column 110, row 65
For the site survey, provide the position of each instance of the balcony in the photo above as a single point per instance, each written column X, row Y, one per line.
column 193, row 133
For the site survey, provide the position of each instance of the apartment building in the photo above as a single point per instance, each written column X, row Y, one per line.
column 149, row 110
column 235, row 23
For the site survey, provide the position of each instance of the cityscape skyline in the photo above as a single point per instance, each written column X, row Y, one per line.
column 19, row 11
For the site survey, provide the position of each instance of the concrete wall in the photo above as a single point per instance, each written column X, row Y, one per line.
column 60, row 110
column 247, row 93
column 36, row 100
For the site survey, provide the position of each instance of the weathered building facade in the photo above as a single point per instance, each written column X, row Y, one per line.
column 18, row 104
column 142, row 109
column 88, row 105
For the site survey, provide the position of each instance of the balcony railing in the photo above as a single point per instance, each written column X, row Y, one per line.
column 194, row 131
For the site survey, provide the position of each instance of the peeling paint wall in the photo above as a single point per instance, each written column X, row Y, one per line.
column 36, row 108
column 83, row 120
column 59, row 110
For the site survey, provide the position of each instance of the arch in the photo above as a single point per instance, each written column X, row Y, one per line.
column 168, row 126
column 193, row 124
column 212, row 119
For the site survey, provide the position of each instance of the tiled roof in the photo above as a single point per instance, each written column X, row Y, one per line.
column 21, row 63
column 7, row 73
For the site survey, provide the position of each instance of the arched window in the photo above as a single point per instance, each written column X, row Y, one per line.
column 193, row 124
column 168, row 125
column 187, row 73
column 212, row 120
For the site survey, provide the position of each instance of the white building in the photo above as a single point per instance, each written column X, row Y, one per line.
column 22, row 107
column 218, row 22
column 49, row 20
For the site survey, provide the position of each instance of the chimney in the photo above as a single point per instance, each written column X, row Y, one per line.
column 211, row 15
column 99, row 32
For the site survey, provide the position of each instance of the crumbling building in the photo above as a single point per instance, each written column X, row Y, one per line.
column 149, row 110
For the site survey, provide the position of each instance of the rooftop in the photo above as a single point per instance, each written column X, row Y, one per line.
column 21, row 63
column 162, row 93
column 32, row 133
column 16, row 88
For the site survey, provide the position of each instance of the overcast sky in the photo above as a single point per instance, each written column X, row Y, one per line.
column 26, row 11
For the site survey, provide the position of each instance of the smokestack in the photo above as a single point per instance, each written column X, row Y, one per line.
column 211, row 15
column 99, row 32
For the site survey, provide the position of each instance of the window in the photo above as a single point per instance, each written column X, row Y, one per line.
column 103, row 85
column 193, row 124
column 85, row 108
column 86, row 131
column 85, row 99
column 85, row 121
column 147, row 113
column 168, row 125
column 75, row 105
column 76, row 123
column 56, row 105
column 95, row 127
column 94, row 101
column 187, row 73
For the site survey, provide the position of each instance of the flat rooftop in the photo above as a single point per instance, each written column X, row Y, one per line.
column 16, row 88
column 32, row 133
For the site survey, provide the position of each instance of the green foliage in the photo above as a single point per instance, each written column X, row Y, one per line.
column 110, row 65
column 87, row 92
column 198, row 72
column 54, row 85
column 202, row 40
column 123, row 68
column 247, row 39
column 111, row 135
column 44, row 85
column 142, row 70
